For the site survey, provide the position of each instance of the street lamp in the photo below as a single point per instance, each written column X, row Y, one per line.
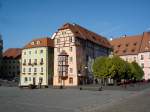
column 63, row 67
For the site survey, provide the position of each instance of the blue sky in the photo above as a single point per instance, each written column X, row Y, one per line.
column 23, row 20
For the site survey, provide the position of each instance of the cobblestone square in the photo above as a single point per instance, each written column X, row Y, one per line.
column 13, row 99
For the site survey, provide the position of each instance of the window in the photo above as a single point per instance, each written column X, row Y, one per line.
column 59, row 80
column 29, row 62
column 35, row 51
column 41, row 51
column 134, row 58
column 70, row 48
column 29, row 52
column 71, row 70
column 70, row 39
column 35, row 61
column 71, row 80
column 142, row 65
column 32, row 43
column 124, row 51
column 135, row 44
column 58, row 49
column 24, row 53
column 25, row 79
column 119, row 45
column 127, row 45
column 132, row 50
column 41, row 69
column 29, row 78
column 58, row 40
column 29, row 69
column 24, row 62
column 35, row 70
column 24, row 70
column 63, row 32
column 142, row 57
column 70, row 59
column 38, row 42
column 41, row 61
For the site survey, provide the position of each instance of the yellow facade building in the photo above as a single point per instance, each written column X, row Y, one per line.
column 37, row 63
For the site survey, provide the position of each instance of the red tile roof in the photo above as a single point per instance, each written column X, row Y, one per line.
column 12, row 53
column 40, row 42
column 130, row 45
column 84, row 33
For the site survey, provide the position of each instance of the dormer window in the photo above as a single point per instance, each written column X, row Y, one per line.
column 119, row 45
column 77, row 32
column 93, row 37
column 38, row 42
column 135, row 44
column 127, row 45
column 124, row 51
column 116, row 51
column 132, row 50
column 32, row 43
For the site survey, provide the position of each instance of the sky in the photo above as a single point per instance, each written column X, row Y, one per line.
column 23, row 20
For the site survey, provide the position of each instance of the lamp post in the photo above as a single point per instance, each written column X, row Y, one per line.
column 86, row 73
column 63, row 66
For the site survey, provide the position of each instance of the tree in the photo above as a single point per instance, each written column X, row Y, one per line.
column 99, row 67
column 136, row 71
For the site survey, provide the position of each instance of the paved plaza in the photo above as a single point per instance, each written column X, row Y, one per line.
column 111, row 99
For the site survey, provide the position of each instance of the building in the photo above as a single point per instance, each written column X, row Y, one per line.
column 37, row 63
column 11, row 63
column 134, row 48
column 1, row 51
column 75, row 48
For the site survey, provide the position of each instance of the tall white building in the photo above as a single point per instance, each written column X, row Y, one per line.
column 37, row 63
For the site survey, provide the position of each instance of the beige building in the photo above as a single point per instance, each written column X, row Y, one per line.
column 11, row 63
column 75, row 49
column 1, row 51
column 37, row 63
column 134, row 48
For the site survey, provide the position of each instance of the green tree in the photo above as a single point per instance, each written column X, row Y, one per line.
column 136, row 71
column 99, row 67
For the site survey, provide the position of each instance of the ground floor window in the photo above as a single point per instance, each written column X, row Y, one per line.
column 71, row 80
column 25, row 79
column 59, row 80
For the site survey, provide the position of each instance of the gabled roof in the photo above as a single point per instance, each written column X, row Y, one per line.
column 84, row 33
column 129, row 45
column 145, row 46
column 14, row 53
column 40, row 42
